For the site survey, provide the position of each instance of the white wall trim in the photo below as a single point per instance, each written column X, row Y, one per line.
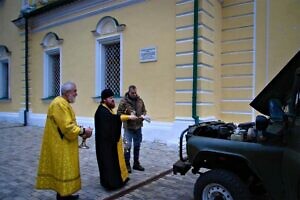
column 267, row 36
column 10, row 117
column 254, row 57
column 164, row 132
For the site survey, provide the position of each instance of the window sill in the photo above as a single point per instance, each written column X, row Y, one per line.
column 5, row 100
column 47, row 99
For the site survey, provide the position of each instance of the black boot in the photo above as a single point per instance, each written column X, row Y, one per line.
column 136, row 155
column 138, row 166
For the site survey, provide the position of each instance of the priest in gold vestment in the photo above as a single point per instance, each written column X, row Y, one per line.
column 59, row 159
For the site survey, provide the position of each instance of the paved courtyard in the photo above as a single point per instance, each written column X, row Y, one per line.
column 19, row 154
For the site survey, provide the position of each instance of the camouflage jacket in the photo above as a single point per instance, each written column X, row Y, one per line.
column 128, row 106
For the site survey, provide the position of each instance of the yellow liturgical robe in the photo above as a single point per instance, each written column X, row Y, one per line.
column 59, row 159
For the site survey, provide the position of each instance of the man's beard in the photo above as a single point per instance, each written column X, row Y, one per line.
column 71, row 99
column 111, row 105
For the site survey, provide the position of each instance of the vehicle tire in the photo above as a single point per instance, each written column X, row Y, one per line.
column 220, row 185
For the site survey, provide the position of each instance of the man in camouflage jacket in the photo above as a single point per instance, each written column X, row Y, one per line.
column 132, row 104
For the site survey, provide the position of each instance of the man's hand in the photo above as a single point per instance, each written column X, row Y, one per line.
column 133, row 117
column 146, row 118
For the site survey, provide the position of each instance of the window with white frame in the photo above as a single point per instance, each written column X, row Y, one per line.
column 108, row 56
column 4, row 73
column 112, row 67
column 4, row 79
column 52, row 73
column 52, row 65
column 108, row 75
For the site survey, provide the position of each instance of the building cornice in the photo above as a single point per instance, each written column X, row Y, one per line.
column 48, row 7
column 78, row 10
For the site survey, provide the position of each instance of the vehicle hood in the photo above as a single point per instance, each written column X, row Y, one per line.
column 280, row 87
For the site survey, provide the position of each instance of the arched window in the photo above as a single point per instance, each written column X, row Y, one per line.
column 108, row 25
column 51, row 40
column 108, row 34
column 4, row 73
column 52, row 65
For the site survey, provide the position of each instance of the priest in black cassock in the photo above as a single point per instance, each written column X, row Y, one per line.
column 108, row 141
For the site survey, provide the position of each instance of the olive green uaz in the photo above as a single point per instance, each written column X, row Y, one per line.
column 253, row 160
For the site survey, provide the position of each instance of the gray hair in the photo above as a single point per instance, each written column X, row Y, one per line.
column 67, row 86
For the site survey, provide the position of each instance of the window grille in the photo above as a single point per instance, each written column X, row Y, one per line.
column 112, row 67
column 54, row 75
column 4, row 80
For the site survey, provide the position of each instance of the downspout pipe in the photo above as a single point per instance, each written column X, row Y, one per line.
column 26, row 74
column 195, row 63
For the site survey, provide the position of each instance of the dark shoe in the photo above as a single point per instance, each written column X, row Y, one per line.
column 70, row 197
column 73, row 197
column 138, row 167
column 126, row 180
column 128, row 168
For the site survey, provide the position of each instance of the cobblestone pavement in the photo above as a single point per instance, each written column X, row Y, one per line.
column 19, row 154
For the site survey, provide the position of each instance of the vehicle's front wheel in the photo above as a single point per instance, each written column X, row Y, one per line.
column 220, row 185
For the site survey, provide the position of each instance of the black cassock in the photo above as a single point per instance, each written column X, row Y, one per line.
column 109, row 150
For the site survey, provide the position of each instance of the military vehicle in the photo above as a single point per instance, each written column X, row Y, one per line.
column 252, row 159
